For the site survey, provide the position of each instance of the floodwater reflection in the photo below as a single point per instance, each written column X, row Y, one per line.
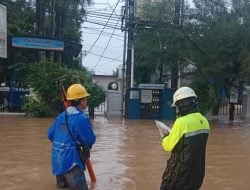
column 127, row 155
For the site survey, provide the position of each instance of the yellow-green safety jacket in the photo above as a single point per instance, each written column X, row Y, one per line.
column 187, row 143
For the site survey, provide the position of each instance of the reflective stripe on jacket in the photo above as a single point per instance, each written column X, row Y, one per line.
column 187, row 143
column 64, row 152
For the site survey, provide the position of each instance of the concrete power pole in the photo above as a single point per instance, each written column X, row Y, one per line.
column 128, row 52
column 124, row 29
column 53, row 26
column 178, row 20
column 130, row 42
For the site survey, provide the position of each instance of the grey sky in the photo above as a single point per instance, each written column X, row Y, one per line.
column 103, row 46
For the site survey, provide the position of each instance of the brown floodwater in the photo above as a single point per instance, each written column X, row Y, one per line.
column 127, row 155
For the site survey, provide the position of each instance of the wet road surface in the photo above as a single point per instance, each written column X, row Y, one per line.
column 127, row 155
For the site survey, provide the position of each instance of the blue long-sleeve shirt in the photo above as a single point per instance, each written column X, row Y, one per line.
column 64, row 152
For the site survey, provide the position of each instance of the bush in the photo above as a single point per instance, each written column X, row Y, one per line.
column 42, row 77
column 33, row 106
column 206, row 96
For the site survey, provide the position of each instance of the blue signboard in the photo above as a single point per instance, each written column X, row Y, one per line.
column 37, row 43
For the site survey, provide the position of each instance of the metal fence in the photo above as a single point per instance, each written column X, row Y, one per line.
column 224, row 107
column 101, row 109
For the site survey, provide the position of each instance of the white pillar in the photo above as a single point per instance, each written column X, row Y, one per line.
column 132, row 67
column 246, row 103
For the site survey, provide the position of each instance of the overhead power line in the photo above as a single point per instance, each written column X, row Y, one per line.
column 103, row 28
column 105, row 47
column 104, row 14
column 103, row 18
column 105, row 57
column 110, row 61
column 102, row 24
column 97, row 20
column 98, row 30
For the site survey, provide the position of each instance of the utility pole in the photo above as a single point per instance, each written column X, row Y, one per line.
column 53, row 26
column 124, row 29
column 127, row 82
column 177, row 21
column 130, row 42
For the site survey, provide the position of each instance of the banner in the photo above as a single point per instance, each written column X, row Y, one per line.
column 3, row 31
column 37, row 43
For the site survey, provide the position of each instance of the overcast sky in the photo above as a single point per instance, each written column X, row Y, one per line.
column 102, row 37
column 103, row 42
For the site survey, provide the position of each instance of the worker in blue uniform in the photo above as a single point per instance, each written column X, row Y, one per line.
column 66, row 163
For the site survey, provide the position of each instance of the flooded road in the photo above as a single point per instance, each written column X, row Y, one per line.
column 127, row 155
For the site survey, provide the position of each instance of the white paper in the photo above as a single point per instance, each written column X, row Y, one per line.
column 163, row 128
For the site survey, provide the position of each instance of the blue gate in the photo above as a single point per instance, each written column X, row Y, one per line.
column 150, row 103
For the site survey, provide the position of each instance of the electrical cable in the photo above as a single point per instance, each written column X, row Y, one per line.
column 101, row 24
column 113, row 49
column 110, row 6
column 103, row 18
column 101, row 9
column 107, row 33
column 96, row 20
column 105, row 48
column 105, row 57
column 104, row 14
column 102, row 29
column 110, row 61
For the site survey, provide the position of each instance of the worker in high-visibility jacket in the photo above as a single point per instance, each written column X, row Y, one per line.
column 187, row 143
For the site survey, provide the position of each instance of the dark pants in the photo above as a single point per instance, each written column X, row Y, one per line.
column 74, row 179
column 164, row 182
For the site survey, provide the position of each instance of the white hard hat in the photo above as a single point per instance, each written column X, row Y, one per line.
column 182, row 93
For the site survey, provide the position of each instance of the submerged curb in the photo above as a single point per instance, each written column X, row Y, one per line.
column 11, row 113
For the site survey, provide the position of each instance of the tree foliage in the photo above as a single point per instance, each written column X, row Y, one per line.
column 47, row 19
column 21, row 18
column 43, row 76
column 212, row 38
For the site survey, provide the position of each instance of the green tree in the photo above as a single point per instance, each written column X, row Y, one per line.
column 68, row 18
column 224, row 41
column 20, row 21
column 161, row 45
column 97, row 96
column 20, row 18
column 42, row 77
column 213, row 41
column 148, row 40
column 44, row 18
